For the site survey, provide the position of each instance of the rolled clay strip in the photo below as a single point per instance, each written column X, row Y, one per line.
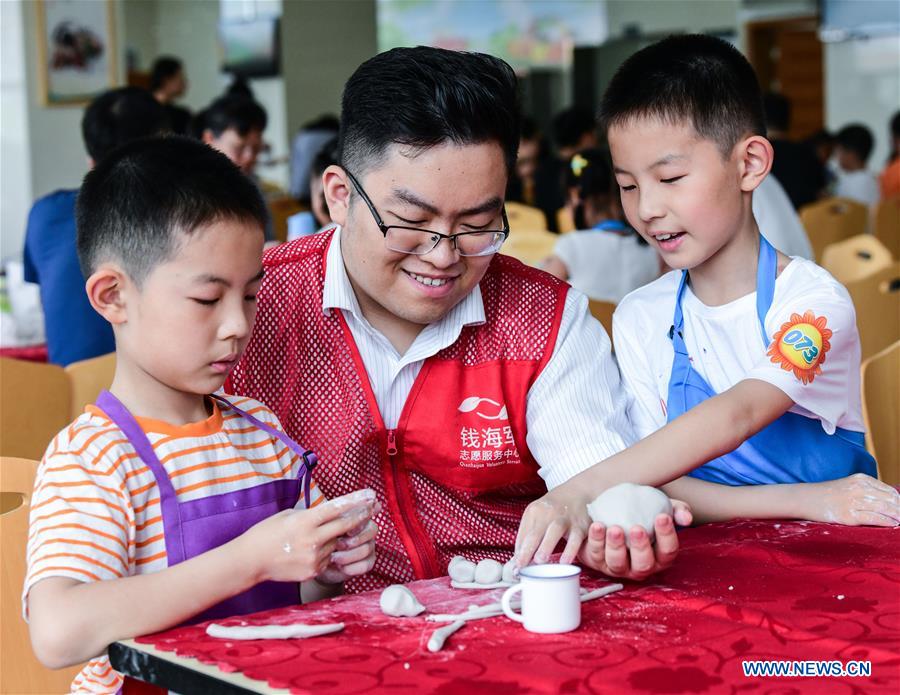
column 250, row 632
column 439, row 636
column 475, row 585
column 599, row 593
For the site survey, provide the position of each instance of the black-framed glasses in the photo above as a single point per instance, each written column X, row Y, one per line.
column 418, row 241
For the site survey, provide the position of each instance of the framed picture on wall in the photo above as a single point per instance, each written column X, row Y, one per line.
column 76, row 50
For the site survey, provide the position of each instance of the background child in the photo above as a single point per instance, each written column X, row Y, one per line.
column 161, row 503
column 854, row 180
column 752, row 358
column 605, row 259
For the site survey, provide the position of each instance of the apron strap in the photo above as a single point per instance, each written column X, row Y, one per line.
column 168, row 500
column 310, row 460
column 766, row 270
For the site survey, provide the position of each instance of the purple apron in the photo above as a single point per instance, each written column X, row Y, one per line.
column 194, row 527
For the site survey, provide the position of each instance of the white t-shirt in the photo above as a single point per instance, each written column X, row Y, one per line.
column 605, row 265
column 725, row 346
column 857, row 185
column 778, row 221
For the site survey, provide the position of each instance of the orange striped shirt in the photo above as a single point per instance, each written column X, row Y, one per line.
column 95, row 513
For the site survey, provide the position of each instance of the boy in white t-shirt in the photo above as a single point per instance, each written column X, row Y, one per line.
column 751, row 357
column 604, row 257
column 163, row 504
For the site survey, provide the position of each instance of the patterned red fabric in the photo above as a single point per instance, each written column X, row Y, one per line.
column 741, row 591
column 437, row 501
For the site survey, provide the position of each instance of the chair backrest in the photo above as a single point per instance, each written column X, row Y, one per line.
column 877, row 302
column 565, row 222
column 881, row 411
column 531, row 246
column 603, row 311
column 20, row 671
column 35, row 404
column 88, row 379
column 887, row 225
column 832, row 220
column 855, row 258
column 525, row 218
column 281, row 208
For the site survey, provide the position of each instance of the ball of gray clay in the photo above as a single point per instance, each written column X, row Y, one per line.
column 398, row 601
column 488, row 572
column 461, row 570
column 628, row 505
column 509, row 572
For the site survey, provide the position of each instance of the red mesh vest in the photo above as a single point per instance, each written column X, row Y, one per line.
column 455, row 475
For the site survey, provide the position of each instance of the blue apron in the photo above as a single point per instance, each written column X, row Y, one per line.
column 793, row 448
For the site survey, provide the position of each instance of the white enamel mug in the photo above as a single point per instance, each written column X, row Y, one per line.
column 551, row 598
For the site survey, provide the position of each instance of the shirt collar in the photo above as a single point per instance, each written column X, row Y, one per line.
column 338, row 292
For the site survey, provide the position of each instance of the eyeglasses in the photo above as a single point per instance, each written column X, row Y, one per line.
column 421, row 241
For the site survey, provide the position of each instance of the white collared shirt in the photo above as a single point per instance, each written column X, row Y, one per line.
column 576, row 408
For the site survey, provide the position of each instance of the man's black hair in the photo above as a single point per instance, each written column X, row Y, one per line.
column 694, row 79
column 135, row 203
column 572, row 124
column 326, row 156
column 421, row 97
column 163, row 68
column 858, row 139
column 778, row 111
column 119, row 116
column 232, row 112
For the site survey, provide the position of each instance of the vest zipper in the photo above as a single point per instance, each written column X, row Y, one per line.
column 420, row 545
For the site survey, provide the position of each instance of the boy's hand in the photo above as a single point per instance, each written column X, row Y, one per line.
column 606, row 552
column 857, row 500
column 296, row 545
column 355, row 553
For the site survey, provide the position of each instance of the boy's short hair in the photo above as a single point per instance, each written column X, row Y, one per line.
column 422, row 97
column 163, row 68
column 119, row 116
column 856, row 138
column 233, row 112
column 134, row 204
column 693, row 78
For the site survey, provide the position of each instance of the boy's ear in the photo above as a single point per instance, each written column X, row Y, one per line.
column 755, row 160
column 106, row 292
column 336, row 187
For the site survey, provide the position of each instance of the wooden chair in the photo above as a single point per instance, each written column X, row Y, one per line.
column 35, row 404
column 565, row 223
column 531, row 246
column 881, row 411
column 603, row 311
column 877, row 302
column 20, row 671
column 88, row 378
column 855, row 258
column 833, row 220
column 525, row 218
column 887, row 225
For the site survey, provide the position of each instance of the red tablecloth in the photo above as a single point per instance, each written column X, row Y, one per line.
column 739, row 591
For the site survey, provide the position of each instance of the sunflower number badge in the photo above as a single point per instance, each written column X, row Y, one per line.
column 800, row 346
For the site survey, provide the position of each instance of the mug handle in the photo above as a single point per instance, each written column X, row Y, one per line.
column 505, row 603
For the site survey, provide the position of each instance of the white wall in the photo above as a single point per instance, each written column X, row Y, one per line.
column 862, row 85
column 15, row 161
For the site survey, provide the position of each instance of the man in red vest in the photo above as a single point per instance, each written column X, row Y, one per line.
column 413, row 359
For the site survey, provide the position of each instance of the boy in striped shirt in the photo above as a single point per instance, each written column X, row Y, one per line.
column 162, row 504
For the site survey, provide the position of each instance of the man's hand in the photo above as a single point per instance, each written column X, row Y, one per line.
column 561, row 513
column 355, row 554
column 606, row 552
